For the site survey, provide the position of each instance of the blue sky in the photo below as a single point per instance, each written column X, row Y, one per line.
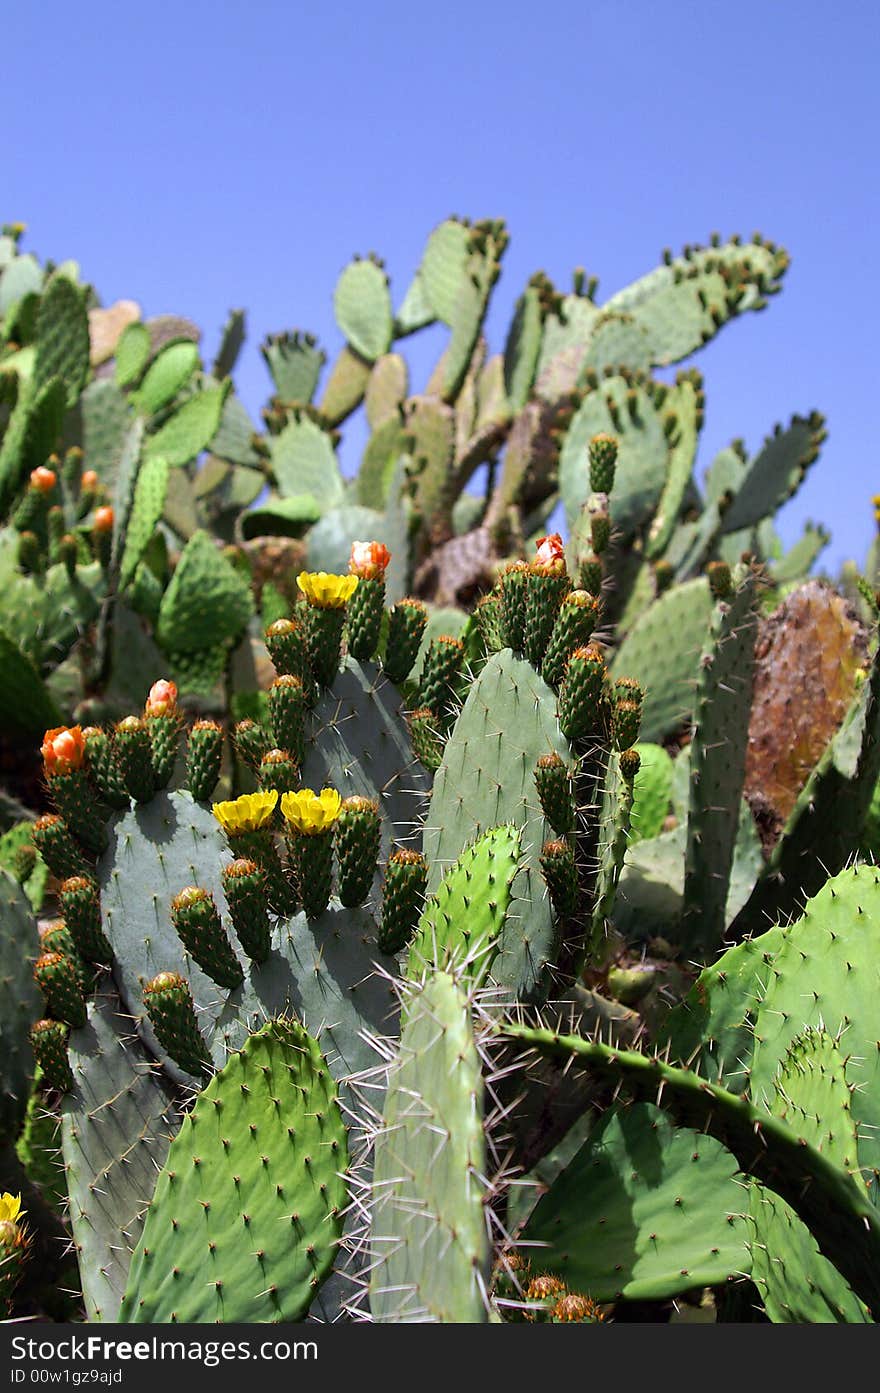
column 197, row 157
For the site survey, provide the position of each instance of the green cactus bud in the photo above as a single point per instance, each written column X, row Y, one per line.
column 630, row 764
column 49, row 1044
column 55, row 937
column 56, row 976
column 590, row 571
column 580, row 696
column 546, row 589
column 358, row 834
column 80, row 902
column 287, row 712
column 278, row 770
column 406, row 625
column 75, row 801
column 133, row 750
column 199, row 927
column 720, row 579
column 664, row 575
column 577, row 618
column 55, row 528
column 403, row 899
column 204, row 757
column 29, row 553
column 172, row 1015
column 625, row 720
column 68, row 553
column 488, row 617
column 603, row 458
column 427, row 739
column 442, row 666
column 286, row 643
column 251, row 742
column 104, row 771
column 513, row 586
column 365, row 610
column 246, row 890
column 556, row 793
column 57, row 846
column 600, row 531
column 24, row 861
column 560, row 872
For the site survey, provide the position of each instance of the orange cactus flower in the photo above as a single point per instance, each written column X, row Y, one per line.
column 103, row 519
column 162, row 699
column 369, row 560
column 550, row 550
column 63, row 749
column 89, row 480
column 43, row 480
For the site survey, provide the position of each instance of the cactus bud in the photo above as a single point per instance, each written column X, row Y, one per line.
column 553, row 782
column 49, row 1044
column 251, row 742
column 403, row 899
column 55, row 843
column 104, row 771
column 442, row 666
column 81, row 906
column 56, row 976
column 575, row 622
column 427, row 739
column 720, row 579
column 603, row 459
column 287, row 713
column 134, row 755
column 406, row 625
column 24, row 862
column 247, row 894
column 172, row 1015
column 204, row 756
column 580, row 696
column 513, row 585
column 199, row 927
column 358, row 834
column 630, row 764
column 559, row 871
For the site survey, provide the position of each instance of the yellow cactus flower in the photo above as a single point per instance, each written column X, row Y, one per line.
column 10, row 1208
column 248, row 813
column 311, row 812
column 325, row 591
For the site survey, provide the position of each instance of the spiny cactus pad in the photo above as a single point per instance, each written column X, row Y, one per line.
column 430, row 1244
column 246, row 1215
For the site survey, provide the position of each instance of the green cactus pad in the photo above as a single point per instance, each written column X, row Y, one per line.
column 718, row 751
column 389, row 385
column 829, row 1201
column 796, row 1283
column 362, row 305
column 636, row 420
column 245, row 1219
column 20, row 1002
column 147, row 507
column 132, row 353
column 358, row 744
column 62, row 337
column 776, row 472
column 168, row 374
column 304, row 462
column 643, row 1211
column 295, row 362
column 460, row 927
column 191, row 429
column 652, row 791
column 430, row 1244
column 662, row 652
column 683, row 303
column 207, row 601
column 486, row 779
column 116, row 1127
column 345, row 387
column 443, row 268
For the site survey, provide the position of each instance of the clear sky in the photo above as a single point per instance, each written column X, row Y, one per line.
column 198, row 156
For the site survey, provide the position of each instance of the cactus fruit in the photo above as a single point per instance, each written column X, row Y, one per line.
column 560, row 872
column 81, row 905
column 49, row 1041
column 195, row 917
column 134, row 754
column 204, row 756
column 573, row 628
column 406, row 625
column 581, row 711
column 554, row 784
column 169, row 1004
column 287, row 708
column 358, row 837
column 603, row 458
column 311, row 819
column 244, row 884
column 403, row 896
column 56, row 976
